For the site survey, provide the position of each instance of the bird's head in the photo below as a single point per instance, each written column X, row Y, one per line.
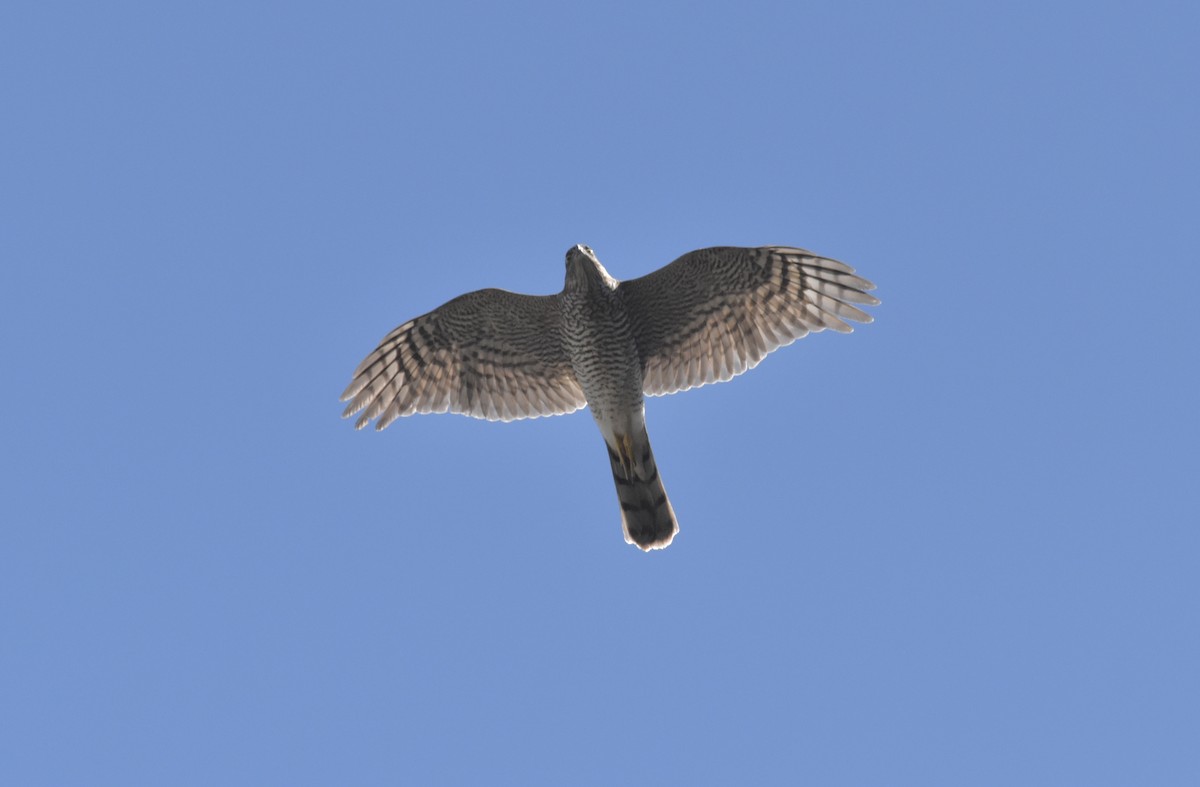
column 585, row 271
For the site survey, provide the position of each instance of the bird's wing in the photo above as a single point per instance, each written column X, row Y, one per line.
column 714, row 313
column 488, row 354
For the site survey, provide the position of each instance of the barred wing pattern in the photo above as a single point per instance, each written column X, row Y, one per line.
column 714, row 313
column 488, row 354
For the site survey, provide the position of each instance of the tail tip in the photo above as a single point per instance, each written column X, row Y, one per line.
column 650, row 539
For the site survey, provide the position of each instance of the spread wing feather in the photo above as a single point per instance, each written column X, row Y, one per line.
column 715, row 313
column 488, row 354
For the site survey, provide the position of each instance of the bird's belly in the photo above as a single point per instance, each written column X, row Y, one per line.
column 611, row 377
column 606, row 363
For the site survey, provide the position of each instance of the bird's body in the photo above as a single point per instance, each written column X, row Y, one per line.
column 708, row 316
column 604, row 355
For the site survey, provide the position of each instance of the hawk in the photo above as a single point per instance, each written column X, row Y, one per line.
column 707, row 317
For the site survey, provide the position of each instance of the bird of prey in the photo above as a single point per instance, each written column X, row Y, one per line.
column 708, row 316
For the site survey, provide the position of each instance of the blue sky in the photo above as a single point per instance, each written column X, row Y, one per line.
column 956, row 547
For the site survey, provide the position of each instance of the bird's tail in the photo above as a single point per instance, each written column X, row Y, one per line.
column 646, row 514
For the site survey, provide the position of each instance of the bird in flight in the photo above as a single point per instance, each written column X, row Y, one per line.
column 707, row 317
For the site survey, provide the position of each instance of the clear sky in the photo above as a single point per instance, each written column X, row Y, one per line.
column 959, row 546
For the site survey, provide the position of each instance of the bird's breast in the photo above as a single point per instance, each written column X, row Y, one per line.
column 599, row 341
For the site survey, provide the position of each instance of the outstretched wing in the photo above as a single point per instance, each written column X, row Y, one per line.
column 714, row 313
column 488, row 354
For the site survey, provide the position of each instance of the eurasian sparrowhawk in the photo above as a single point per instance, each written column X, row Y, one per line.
column 708, row 316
